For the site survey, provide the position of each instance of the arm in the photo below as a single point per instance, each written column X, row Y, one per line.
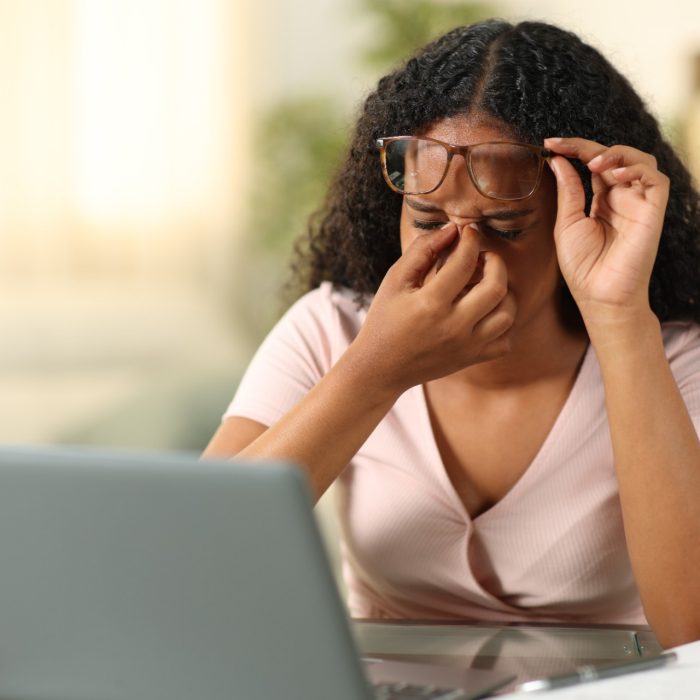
column 323, row 431
column 416, row 329
column 657, row 459
column 607, row 260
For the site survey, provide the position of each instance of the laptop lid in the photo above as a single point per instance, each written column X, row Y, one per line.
column 159, row 576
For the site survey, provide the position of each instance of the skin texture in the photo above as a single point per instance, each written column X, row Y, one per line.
column 486, row 340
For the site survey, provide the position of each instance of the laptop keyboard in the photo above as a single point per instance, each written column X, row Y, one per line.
column 405, row 691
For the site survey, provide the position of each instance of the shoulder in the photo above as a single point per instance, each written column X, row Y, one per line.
column 304, row 344
column 330, row 308
column 328, row 294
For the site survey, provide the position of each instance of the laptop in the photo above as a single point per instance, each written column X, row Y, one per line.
column 130, row 576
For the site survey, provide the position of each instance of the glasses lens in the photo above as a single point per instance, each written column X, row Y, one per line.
column 415, row 166
column 504, row 170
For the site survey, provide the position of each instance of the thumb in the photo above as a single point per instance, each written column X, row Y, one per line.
column 422, row 254
column 571, row 199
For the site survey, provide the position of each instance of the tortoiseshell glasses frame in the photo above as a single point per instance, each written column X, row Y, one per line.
column 398, row 145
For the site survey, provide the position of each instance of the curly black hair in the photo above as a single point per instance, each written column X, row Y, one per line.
column 538, row 80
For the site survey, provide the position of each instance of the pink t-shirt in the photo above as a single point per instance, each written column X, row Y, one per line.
column 552, row 550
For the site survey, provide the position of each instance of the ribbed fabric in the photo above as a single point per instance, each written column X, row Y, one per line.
column 552, row 550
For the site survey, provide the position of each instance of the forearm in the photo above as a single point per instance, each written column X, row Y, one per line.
column 415, row 331
column 329, row 425
column 657, row 460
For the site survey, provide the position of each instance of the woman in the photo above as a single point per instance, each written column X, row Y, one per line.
column 499, row 357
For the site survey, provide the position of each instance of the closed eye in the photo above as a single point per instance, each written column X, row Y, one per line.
column 505, row 234
column 428, row 225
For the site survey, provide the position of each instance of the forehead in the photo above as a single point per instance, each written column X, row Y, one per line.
column 463, row 130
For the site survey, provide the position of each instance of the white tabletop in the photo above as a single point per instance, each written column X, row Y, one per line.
column 679, row 680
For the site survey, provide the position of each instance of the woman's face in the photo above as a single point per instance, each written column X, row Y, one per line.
column 520, row 232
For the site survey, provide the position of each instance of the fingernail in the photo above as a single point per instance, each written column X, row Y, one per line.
column 554, row 139
column 596, row 161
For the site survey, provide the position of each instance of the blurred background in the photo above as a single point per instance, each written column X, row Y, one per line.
column 158, row 157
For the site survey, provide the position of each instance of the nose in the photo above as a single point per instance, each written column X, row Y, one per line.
column 458, row 172
column 458, row 193
column 484, row 242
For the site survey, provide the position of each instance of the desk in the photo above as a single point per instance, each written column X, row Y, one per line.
column 526, row 651
column 678, row 681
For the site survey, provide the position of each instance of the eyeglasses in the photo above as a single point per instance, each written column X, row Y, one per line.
column 499, row 169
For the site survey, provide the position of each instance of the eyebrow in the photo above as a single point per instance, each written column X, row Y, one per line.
column 498, row 214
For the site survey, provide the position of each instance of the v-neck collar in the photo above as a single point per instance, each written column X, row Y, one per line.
column 529, row 473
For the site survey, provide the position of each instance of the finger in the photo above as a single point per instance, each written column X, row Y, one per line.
column 488, row 293
column 583, row 149
column 619, row 156
column 597, row 155
column 598, row 184
column 601, row 166
column 571, row 199
column 598, row 158
column 411, row 268
column 459, row 267
column 496, row 348
column 497, row 322
column 653, row 185
column 443, row 255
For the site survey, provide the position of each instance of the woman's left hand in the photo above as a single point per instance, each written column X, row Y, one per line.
column 607, row 257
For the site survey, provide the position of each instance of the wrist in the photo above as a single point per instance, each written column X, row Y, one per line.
column 362, row 369
column 613, row 329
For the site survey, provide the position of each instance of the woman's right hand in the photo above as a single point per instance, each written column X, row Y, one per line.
column 422, row 324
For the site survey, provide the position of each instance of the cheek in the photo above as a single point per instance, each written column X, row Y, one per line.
column 532, row 271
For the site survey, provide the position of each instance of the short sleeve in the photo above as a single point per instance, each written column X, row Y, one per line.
column 682, row 341
column 296, row 354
